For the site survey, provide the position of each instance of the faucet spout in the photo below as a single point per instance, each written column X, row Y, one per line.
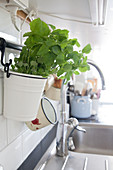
column 90, row 62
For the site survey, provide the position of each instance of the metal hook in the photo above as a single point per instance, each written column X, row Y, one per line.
column 2, row 48
column 6, row 65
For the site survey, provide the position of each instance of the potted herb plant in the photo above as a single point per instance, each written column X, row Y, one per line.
column 47, row 50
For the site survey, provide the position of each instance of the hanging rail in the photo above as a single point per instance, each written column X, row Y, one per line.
column 3, row 45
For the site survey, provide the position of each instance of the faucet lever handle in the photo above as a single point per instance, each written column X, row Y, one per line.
column 73, row 122
column 80, row 129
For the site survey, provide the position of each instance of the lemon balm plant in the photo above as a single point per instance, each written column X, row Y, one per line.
column 49, row 50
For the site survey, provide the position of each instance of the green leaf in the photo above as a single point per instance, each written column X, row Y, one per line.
column 76, row 72
column 25, row 65
column 56, row 49
column 67, row 67
column 34, row 51
column 50, row 42
column 68, row 76
column 85, row 60
column 20, row 64
column 68, row 49
column 29, row 42
column 43, row 50
column 74, row 55
column 33, row 63
column 62, row 77
column 87, row 49
column 49, row 59
column 60, row 35
column 77, row 44
column 64, row 43
column 29, row 34
column 13, row 67
column 74, row 41
column 40, row 60
column 64, row 32
column 33, row 40
column 61, row 32
column 39, row 27
column 38, row 39
column 60, row 58
column 60, row 72
column 83, row 69
column 52, row 26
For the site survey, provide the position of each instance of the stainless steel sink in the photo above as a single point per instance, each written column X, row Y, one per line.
column 98, row 139
column 77, row 161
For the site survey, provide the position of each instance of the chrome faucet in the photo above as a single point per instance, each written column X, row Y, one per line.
column 65, row 127
column 90, row 62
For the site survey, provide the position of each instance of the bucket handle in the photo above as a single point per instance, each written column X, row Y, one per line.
column 81, row 100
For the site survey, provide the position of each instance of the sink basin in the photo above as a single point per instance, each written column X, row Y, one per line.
column 98, row 139
column 94, row 150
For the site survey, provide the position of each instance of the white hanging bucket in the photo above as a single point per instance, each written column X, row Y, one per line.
column 22, row 94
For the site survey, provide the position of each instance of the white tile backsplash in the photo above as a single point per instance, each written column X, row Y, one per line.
column 30, row 140
column 11, row 156
column 14, row 129
column 17, row 146
column 3, row 133
column 45, row 130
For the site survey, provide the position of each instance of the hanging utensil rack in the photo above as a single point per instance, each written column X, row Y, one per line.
column 3, row 45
